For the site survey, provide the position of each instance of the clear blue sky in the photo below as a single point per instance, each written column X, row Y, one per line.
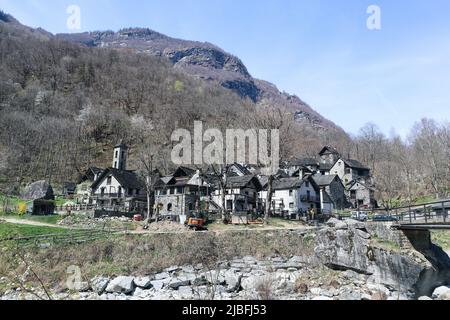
column 320, row 50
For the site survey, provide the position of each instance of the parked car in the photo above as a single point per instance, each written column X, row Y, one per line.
column 384, row 217
column 359, row 215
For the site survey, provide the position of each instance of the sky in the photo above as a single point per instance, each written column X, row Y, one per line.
column 320, row 50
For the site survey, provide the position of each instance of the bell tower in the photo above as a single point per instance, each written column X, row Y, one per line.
column 120, row 157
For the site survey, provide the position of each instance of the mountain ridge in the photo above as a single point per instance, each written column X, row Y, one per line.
column 205, row 61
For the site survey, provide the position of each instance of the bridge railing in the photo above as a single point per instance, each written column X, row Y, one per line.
column 431, row 212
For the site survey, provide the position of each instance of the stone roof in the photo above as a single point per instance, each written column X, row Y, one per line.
column 324, row 180
column 287, row 183
column 355, row 164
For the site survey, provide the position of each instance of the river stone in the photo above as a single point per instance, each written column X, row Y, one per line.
column 121, row 284
column 233, row 280
column 82, row 286
column 159, row 284
column 424, row 298
column 99, row 284
column 185, row 292
column 179, row 282
column 440, row 292
column 143, row 282
column 162, row 275
column 321, row 298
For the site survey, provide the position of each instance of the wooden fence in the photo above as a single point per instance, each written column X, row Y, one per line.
column 72, row 237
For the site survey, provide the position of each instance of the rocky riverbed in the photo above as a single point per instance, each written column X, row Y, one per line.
column 349, row 262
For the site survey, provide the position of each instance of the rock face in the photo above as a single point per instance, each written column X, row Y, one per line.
column 204, row 61
column 350, row 247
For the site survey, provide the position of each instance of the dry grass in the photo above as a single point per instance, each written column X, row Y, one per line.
column 144, row 254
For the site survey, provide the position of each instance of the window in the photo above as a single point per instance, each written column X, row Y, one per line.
column 180, row 190
column 307, row 184
column 119, row 192
column 291, row 205
column 169, row 207
column 102, row 191
column 291, row 192
column 308, row 195
column 172, row 190
column 123, row 154
column 117, row 154
column 130, row 192
column 108, row 180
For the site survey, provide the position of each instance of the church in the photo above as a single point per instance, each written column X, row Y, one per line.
column 118, row 188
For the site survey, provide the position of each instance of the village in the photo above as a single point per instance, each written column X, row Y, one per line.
column 306, row 189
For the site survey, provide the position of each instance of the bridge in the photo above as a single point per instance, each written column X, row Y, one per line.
column 428, row 216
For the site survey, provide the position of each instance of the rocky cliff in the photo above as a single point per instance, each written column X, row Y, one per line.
column 205, row 61
column 377, row 251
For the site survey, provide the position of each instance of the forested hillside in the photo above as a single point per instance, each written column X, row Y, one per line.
column 64, row 105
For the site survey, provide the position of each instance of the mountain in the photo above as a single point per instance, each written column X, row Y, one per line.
column 205, row 61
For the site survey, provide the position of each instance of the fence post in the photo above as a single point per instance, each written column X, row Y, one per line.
column 443, row 210
column 410, row 218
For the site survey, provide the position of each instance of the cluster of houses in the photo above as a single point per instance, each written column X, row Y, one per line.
column 323, row 185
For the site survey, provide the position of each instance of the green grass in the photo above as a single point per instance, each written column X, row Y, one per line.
column 20, row 230
column 441, row 238
column 385, row 243
column 52, row 219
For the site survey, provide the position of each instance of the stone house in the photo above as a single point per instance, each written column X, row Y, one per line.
column 350, row 170
column 83, row 191
column 117, row 188
column 294, row 195
column 334, row 188
column 361, row 196
column 121, row 189
column 181, row 193
column 241, row 194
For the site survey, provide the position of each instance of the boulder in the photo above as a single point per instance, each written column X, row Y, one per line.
column 82, row 286
column 441, row 292
column 121, row 284
column 159, row 284
column 185, row 292
column 179, row 282
column 424, row 298
column 162, row 275
column 99, row 284
column 233, row 280
column 143, row 282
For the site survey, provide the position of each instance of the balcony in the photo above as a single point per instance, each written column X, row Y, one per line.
column 305, row 198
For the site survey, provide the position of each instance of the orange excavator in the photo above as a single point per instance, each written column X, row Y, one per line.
column 197, row 222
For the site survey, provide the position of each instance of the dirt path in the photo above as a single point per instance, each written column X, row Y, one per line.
column 146, row 232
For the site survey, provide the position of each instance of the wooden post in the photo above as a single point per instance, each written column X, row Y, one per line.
column 443, row 210
column 410, row 218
